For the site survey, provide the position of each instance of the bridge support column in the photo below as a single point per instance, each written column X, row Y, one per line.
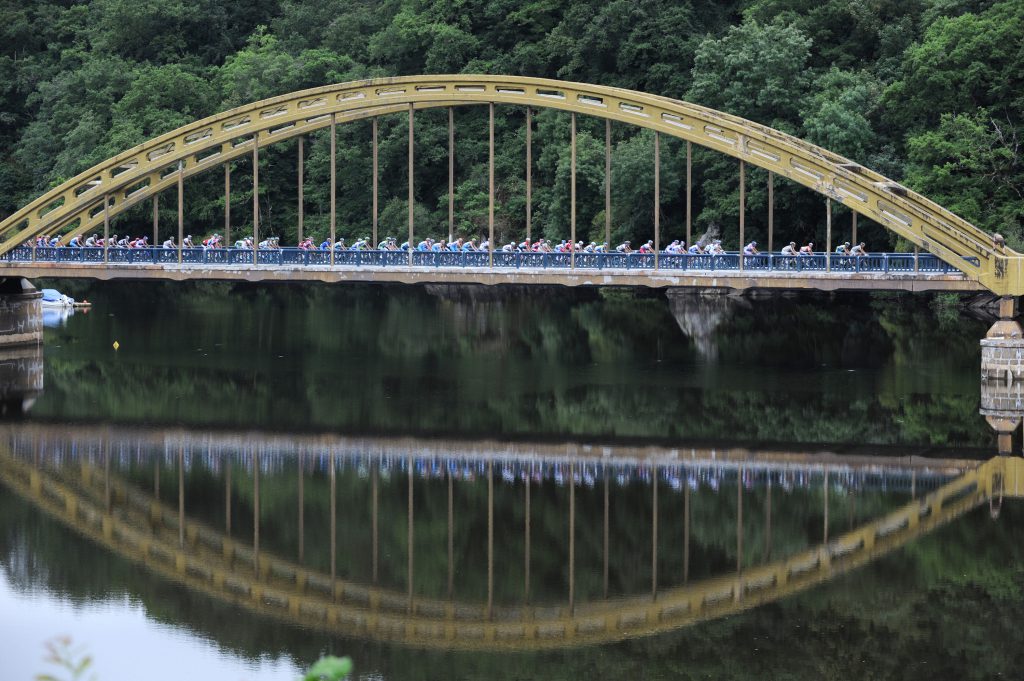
column 20, row 345
column 21, row 313
column 1001, row 405
column 21, row 374
column 1002, row 371
column 1002, row 349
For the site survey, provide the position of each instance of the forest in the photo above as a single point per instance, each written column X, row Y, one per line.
column 927, row 92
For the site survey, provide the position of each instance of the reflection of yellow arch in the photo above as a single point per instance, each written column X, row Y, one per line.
column 221, row 568
column 136, row 174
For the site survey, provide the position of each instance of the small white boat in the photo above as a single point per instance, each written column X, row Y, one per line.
column 54, row 299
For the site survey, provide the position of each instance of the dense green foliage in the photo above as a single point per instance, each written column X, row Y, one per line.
column 926, row 91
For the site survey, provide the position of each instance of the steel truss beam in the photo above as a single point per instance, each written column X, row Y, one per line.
column 137, row 174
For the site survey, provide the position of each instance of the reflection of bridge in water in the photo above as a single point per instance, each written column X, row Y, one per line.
column 115, row 513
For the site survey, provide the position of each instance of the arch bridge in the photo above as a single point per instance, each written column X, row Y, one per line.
column 950, row 253
column 85, row 496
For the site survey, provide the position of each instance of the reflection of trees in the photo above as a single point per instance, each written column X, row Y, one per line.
column 569, row 363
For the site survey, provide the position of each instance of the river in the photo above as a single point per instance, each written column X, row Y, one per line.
column 492, row 483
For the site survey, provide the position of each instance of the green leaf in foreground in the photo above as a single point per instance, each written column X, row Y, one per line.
column 329, row 668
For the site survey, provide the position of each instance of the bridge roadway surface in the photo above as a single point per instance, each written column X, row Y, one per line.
column 887, row 271
column 133, row 524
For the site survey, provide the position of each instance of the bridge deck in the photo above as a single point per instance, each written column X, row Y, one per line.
column 734, row 279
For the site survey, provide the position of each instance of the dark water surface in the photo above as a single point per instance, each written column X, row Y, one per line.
column 546, row 461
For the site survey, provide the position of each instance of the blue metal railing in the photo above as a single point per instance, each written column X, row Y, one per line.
column 881, row 263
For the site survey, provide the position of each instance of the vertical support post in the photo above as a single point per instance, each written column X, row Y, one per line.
column 529, row 170
column 375, row 505
column 107, row 506
column 739, row 521
column 743, row 208
column 302, row 510
column 654, row 533
column 490, row 186
column 411, row 177
column 227, row 498
column 451, row 535
column 302, row 151
column 572, row 191
column 605, row 561
column 334, row 524
column 376, row 179
column 334, row 184
column 686, row 533
column 828, row 234
column 526, row 552
column 917, row 255
column 608, row 185
column 771, row 211
column 768, row 521
column 409, row 518
column 181, row 207
column 255, row 198
column 181, row 497
column 657, row 197
column 825, row 495
column 851, row 510
column 572, row 535
column 227, row 206
column 156, row 219
column 689, row 193
column 853, row 228
column 490, row 532
column 256, row 515
column 451, row 169
column 106, row 229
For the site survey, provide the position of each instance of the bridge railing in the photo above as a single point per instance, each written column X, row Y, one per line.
column 881, row 263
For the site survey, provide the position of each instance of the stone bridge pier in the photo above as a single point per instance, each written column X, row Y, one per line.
column 21, row 313
column 1002, row 376
column 21, row 350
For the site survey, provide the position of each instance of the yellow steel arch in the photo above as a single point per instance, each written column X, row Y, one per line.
column 221, row 568
column 137, row 173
